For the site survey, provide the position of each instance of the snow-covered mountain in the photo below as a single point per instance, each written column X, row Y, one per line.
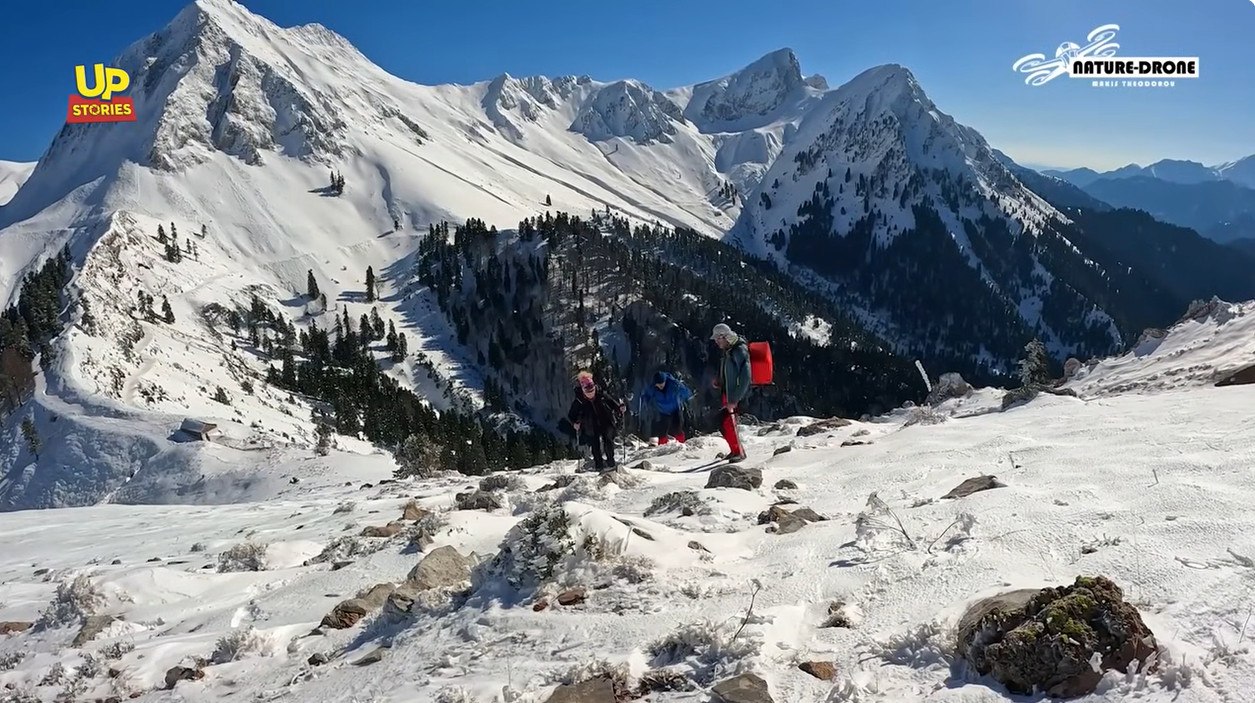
column 12, row 175
column 866, row 193
column 922, row 225
column 1241, row 171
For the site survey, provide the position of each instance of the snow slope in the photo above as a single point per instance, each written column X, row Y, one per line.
column 1174, row 529
column 12, row 176
column 241, row 123
column 1212, row 341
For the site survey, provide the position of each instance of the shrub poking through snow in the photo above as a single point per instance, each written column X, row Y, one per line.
column 90, row 668
column 9, row 661
column 55, row 676
column 346, row 547
column 245, row 556
column 455, row 695
column 74, row 601
column 502, row 482
column 237, row 644
column 711, row 649
column 345, row 507
column 533, row 548
column 683, row 502
column 923, row 415
column 117, row 650
column 663, row 681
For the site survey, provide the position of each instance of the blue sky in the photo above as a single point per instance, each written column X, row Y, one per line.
column 960, row 51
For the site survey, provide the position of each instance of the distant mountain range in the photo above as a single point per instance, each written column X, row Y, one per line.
column 1217, row 201
column 1241, row 172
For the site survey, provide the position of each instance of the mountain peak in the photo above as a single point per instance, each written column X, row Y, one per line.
column 748, row 96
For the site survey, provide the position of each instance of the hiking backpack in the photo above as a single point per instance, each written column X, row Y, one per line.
column 761, row 369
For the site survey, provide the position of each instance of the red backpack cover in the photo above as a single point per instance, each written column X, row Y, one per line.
column 760, row 363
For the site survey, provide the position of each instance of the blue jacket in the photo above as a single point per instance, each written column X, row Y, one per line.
column 670, row 398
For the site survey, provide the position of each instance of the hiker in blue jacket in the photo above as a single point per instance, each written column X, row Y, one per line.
column 668, row 394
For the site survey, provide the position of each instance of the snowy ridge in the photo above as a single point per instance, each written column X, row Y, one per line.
column 1209, row 343
column 879, row 147
column 12, row 176
column 241, row 123
column 1173, row 529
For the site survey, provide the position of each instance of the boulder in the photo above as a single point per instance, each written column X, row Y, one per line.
column 182, row 673
column 390, row 530
column 1019, row 396
column 349, row 612
column 573, row 596
column 1241, row 377
column 786, row 521
column 746, row 688
column 745, row 478
column 950, row 385
column 973, row 485
column 598, row 690
column 375, row 656
column 1058, row 641
column 318, row 659
column 92, row 626
column 477, row 500
column 789, row 523
column 345, row 615
column 442, row 567
column 782, row 450
column 815, row 428
column 1071, row 367
column 413, row 511
column 785, row 484
column 824, row 671
column 11, row 627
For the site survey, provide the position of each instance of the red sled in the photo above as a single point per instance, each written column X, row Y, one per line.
column 760, row 364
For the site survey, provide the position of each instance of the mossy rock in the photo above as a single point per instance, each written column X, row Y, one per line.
column 1045, row 640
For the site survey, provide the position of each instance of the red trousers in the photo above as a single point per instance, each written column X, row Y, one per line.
column 728, row 428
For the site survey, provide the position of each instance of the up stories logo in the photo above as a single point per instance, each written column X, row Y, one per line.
column 98, row 101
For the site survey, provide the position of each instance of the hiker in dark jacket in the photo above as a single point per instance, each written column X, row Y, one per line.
column 668, row 394
column 734, row 381
column 595, row 415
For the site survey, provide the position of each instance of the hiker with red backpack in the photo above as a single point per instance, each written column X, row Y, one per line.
column 734, row 380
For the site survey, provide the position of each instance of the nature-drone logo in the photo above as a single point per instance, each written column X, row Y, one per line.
column 1093, row 61
column 97, row 103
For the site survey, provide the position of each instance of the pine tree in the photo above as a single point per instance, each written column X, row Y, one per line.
column 167, row 311
column 204, row 231
column 311, row 286
column 31, row 434
column 376, row 324
column 370, row 285
column 324, row 433
column 1035, row 366
column 161, row 234
column 548, row 201
column 221, row 396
